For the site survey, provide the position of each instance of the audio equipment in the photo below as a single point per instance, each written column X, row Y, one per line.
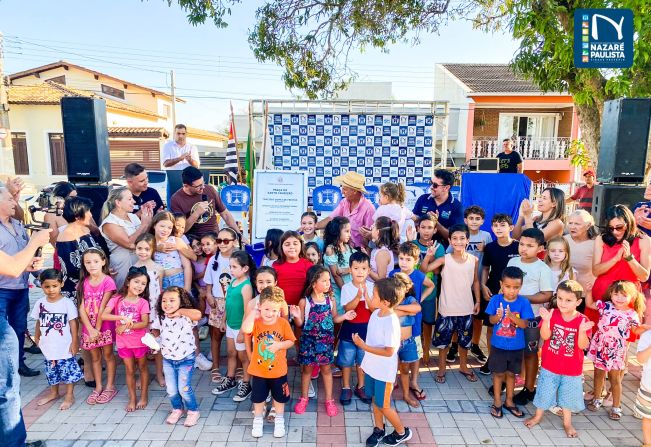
column 484, row 165
column 98, row 194
column 85, row 136
column 607, row 195
column 624, row 140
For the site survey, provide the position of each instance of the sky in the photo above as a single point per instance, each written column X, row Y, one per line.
column 141, row 41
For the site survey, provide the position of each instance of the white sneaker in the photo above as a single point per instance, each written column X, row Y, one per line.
column 256, row 430
column 279, row 427
column 203, row 332
column 311, row 392
column 202, row 363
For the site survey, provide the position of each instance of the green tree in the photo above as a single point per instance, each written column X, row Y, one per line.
column 312, row 40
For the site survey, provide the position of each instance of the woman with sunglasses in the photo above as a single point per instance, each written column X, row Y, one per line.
column 622, row 252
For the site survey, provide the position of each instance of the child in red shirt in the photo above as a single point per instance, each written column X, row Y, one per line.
column 566, row 333
column 292, row 267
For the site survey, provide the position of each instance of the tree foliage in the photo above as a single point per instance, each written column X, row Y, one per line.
column 312, row 41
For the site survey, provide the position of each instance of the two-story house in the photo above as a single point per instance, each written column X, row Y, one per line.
column 491, row 103
column 138, row 118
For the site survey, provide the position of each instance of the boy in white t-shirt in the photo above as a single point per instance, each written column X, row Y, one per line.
column 57, row 334
column 380, row 362
column 643, row 399
column 537, row 287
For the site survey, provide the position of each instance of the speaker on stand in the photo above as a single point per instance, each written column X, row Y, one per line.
column 622, row 154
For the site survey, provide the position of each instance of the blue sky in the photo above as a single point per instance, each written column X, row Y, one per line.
column 141, row 41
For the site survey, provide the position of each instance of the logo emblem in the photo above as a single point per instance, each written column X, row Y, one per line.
column 603, row 38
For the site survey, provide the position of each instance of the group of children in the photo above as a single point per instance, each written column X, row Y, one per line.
column 378, row 309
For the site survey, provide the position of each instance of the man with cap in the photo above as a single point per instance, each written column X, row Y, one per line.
column 583, row 194
column 357, row 208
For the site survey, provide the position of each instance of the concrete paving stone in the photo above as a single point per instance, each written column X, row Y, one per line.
column 142, row 444
column 79, row 443
column 149, row 435
column 118, row 444
column 236, row 433
column 353, row 435
column 214, row 436
column 120, row 431
column 135, row 432
column 309, row 434
column 451, row 440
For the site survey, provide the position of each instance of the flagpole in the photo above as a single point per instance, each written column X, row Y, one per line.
column 237, row 157
column 251, row 147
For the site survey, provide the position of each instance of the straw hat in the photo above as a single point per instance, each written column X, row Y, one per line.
column 352, row 180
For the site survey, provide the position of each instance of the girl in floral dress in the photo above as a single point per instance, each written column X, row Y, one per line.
column 620, row 313
column 317, row 313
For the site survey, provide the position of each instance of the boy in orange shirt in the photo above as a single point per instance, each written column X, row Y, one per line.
column 271, row 338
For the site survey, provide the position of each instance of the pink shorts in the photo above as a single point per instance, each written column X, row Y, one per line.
column 133, row 353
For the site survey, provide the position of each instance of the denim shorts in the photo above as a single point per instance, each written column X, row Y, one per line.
column 349, row 355
column 62, row 371
column 555, row 389
column 408, row 352
column 174, row 280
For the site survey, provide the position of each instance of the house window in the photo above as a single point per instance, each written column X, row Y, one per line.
column 59, row 80
column 167, row 110
column 57, row 154
column 107, row 89
column 21, row 160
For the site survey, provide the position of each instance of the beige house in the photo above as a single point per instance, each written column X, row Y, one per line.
column 139, row 120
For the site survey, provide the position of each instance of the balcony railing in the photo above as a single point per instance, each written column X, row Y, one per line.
column 548, row 148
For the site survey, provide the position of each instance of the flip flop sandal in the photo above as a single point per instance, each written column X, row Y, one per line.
column 615, row 413
column 440, row 379
column 106, row 396
column 595, row 405
column 419, row 394
column 515, row 411
column 92, row 399
column 470, row 376
column 497, row 412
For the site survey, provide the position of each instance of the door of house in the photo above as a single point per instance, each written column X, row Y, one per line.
column 527, row 127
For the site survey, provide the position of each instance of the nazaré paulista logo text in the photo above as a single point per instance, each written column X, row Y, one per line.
column 603, row 38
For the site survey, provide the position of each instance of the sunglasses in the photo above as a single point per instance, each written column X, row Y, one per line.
column 223, row 241
column 435, row 185
column 617, row 228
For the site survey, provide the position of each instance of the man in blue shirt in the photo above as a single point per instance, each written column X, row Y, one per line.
column 440, row 204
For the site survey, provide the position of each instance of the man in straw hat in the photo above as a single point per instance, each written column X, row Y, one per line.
column 357, row 208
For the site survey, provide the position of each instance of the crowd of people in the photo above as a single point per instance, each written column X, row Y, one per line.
column 365, row 290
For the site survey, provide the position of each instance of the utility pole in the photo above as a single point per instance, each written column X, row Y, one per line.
column 6, row 150
column 173, row 99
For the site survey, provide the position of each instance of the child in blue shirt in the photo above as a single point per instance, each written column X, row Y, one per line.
column 408, row 257
column 510, row 313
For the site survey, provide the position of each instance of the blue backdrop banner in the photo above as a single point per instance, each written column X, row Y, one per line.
column 495, row 193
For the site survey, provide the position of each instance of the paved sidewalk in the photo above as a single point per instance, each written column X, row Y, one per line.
column 454, row 413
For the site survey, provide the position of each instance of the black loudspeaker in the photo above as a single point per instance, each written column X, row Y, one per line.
column 98, row 194
column 86, row 139
column 624, row 140
column 606, row 196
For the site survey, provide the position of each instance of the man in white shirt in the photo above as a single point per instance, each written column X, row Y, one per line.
column 178, row 154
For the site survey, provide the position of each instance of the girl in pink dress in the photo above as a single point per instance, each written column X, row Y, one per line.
column 94, row 290
column 620, row 312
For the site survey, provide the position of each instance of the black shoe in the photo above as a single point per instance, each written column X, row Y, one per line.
column 491, row 389
column 375, row 438
column 483, row 369
column 346, row 396
column 477, row 353
column 33, row 349
column 26, row 371
column 452, row 353
column 396, row 439
column 524, row 397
